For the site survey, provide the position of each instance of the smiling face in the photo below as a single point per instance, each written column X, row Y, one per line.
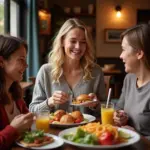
column 129, row 56
column 15, row 65
column 74, row 44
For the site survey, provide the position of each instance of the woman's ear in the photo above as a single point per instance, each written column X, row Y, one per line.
column 140, row 54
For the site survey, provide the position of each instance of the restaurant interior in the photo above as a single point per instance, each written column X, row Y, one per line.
column 38, row 22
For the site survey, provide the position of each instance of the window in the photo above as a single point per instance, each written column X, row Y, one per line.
column 1, row 16
column 14, row 18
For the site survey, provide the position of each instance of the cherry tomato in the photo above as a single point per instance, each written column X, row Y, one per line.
column 106, row 138
column 78, row 120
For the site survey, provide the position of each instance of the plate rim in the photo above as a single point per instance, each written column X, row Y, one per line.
column 56, row 137
column 101, row 146
column 75, row 124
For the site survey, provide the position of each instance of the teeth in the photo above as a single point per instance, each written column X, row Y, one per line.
column 76, row 52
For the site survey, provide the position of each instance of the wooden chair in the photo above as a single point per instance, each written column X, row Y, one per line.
column 107, row 82
column 32, row 79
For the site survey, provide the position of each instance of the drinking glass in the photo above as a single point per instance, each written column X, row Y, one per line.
column 42, row 121
column 107, row 113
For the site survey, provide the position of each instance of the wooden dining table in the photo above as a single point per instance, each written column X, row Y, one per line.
column 143, row 144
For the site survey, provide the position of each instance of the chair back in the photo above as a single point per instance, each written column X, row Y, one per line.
column 32, row 79
column 107, row 79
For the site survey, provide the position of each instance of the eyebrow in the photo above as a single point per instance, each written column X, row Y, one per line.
column 76, row 38
column 22, row 57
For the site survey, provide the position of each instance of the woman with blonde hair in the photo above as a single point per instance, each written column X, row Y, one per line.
column 71, row 71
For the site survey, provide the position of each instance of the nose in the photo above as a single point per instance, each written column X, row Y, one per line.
column 121, row 57
column 26, row 65
column 77, row 45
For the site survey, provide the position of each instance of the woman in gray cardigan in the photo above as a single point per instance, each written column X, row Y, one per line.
column 71, row 71
column 135, row 97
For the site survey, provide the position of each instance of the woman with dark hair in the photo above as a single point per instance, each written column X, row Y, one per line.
column 134, row 103
column 14, row 115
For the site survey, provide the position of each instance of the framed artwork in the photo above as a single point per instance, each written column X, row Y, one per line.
column 113, row 35
column 44, row 23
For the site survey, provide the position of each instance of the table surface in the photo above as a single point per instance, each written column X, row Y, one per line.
column 143, row 144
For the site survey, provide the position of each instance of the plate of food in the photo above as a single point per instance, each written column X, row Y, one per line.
column 62, row 119
column 82, row 100
column 97, row 136
column 37, row 139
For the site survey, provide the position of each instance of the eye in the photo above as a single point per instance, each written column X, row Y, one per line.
column 83, row 42
column 73, row 41
column 22, row 60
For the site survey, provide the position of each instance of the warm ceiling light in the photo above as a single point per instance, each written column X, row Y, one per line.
column 118, row 9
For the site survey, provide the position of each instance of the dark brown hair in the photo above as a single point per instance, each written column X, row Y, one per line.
column 8, row 45
column 139, row 38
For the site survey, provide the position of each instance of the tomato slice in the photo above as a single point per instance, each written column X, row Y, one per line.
column 106, row 138
column 46, row 138
column 38, row 140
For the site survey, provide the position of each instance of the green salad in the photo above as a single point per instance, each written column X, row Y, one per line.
column 82, row 137
column 29, row 137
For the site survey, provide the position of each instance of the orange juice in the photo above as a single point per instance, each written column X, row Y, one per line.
column 107, row 114
column 42, row 121
column 42, row 124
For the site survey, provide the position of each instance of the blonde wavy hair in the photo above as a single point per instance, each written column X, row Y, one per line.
column 57, row 56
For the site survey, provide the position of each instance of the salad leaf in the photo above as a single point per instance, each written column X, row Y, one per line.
column 69, row 137
column 82, row 137
column 29, row 137
column 90, row 139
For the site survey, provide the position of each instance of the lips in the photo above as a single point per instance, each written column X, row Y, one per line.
column 76, row 52
column 21, row 73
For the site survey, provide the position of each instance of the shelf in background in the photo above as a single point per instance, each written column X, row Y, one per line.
column 80, row 15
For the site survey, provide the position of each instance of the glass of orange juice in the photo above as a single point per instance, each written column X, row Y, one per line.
column 107, row 113
column 42, row 121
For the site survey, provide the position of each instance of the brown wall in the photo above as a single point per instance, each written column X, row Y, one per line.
column 106, row 18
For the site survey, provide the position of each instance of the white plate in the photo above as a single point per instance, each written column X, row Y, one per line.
column 88, row 117
column 82, row 104
column 57, row 143
column 135, row 137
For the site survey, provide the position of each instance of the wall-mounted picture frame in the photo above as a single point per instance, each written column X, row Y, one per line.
column 44, row 23
column 113, row 35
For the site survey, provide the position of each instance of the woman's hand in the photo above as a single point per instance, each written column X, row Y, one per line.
column 58, row 97
column 120, row 118
column 22, row 122
column 94, row 103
